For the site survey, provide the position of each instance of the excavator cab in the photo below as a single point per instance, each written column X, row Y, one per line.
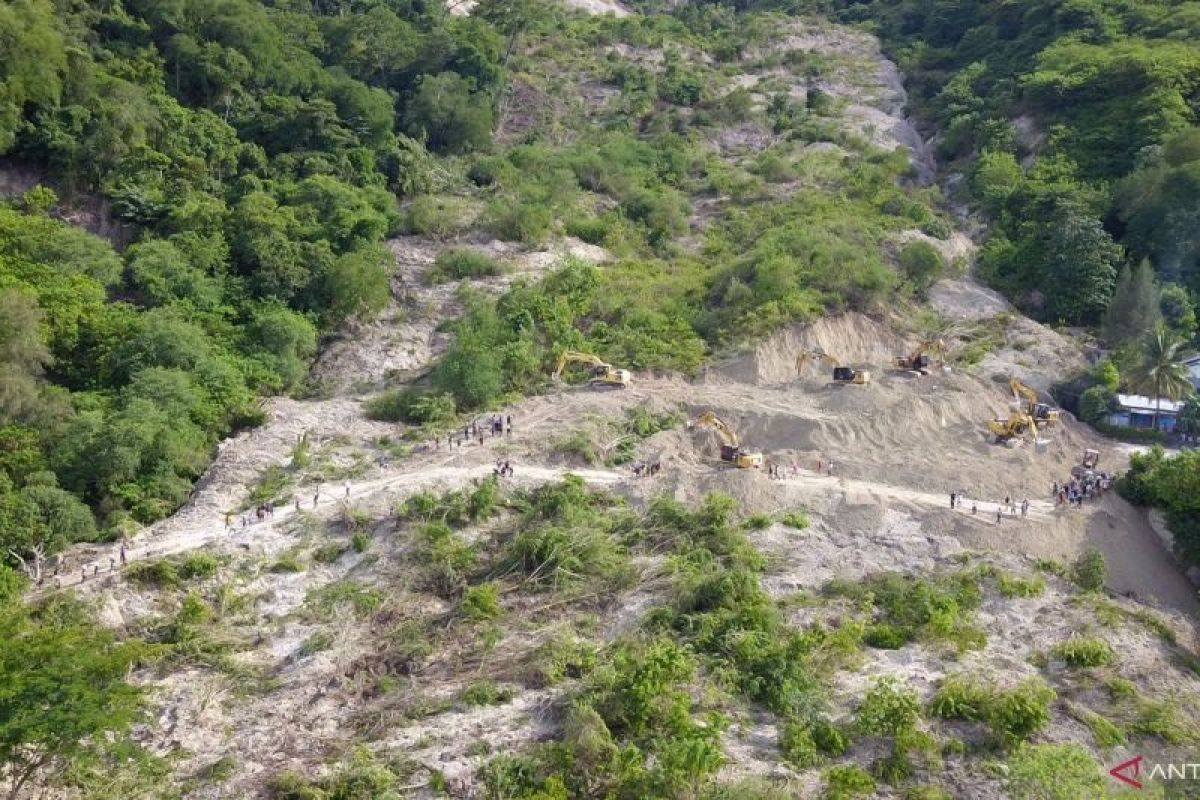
column 919, row 360
column 1042, row 413
column 1017, row 425
column 731, row 450
column 850, row 375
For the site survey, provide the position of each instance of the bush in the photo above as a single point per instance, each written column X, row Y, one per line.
column 360, row 542
column 757, row 522
column 797, row 745
column 448, row 114
column 158, row 572
column 1012, row 715
column 430, row 215
column 457, row 263
column 1081, row 651
column 1090, row 571
column 482, row 602
column 884, row 637
column 522, row 221
column 795, row 519
column 199, row 565
column 328, row 552
column 1022, row 711
column 412, row 406
column 922, row 263
column 287, row 562
column 829, row 738
column 1009, row 586
column 485, row 693
column 847, row 781
column 888, row 709
column 1053, row 772
column 1094, row 404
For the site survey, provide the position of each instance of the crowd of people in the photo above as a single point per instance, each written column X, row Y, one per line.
column 476, row 431
column 1081, row 487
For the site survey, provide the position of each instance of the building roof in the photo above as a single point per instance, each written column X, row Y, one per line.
column 1148, row 405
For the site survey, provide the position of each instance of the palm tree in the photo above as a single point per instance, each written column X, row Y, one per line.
column 1161, row 370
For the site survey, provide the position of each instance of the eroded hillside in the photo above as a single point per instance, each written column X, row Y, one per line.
column 406, row 623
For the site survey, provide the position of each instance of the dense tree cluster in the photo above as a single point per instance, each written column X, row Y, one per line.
column 1103, row 96
column 257, row 150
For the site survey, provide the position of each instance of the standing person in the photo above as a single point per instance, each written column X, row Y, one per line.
column 1025, row 508
column 953, row 499
column 122, row 554
column 831, row 466
column 974, row 509
column 347, row 488
column 112, row 564
column 999, row 516
column 297, row 502
column 228, row 520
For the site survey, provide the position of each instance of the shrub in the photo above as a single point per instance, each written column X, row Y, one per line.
column 412, row 406
column 1103, row 731
column 1079, row 651
column 757, row 522
column 888, row 710
column 829, row 738
column 287, row 562
column 1094, row 404
column 198, row 565
column 884, row 637
column 797, row 745
column 481, row 602
column 485, row 693
column 1090, row 571
column 360, row 542
column 522, row 221
column 1009, row 586
column 1012, row 715
column 430, row 215
column 795, row 519
column 328, row 552
column 922, row 263
column 926, row 793
column 158, row 572
column 1053, row 772
column 563, row 657
column 1022, row 711
column 847, row 781
column 961, row 697
column 315, row 643
column 457, row 263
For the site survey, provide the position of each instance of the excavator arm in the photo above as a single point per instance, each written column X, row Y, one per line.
column 713, row 421
column 817, row 355
column 572, row 357
column 1041, row 412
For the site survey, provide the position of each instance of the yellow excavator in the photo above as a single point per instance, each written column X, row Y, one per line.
column 730, row 449
column 602, row 373
column 1018, row 424
column 840, row 374
column 1042, row 413
column 919, row 360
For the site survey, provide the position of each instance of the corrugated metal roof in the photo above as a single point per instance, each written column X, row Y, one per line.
column 1140, row 402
